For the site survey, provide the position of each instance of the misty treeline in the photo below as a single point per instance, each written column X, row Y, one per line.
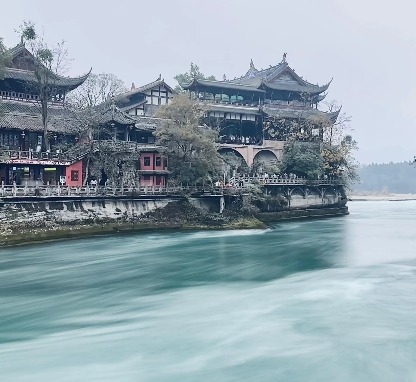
column 390, row 177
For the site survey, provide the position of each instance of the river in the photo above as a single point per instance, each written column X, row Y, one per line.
column 319, row 300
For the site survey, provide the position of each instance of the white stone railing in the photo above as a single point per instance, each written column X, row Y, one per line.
column 15, row 191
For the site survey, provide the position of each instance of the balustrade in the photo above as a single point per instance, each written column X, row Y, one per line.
column 234, row 186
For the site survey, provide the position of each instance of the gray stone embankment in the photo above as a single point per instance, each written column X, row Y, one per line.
column 29, row 221
column 42, row 220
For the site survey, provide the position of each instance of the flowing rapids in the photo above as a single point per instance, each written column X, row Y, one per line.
column 318, row 300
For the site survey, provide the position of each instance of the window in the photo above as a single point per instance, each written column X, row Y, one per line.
column 146, row 177
column 158, row 180
column 146, row 161
column 74, row 175
column 165, row 163
column 158, row 161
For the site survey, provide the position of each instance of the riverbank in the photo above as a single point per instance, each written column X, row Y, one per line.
column 384, row 197
column 28, row 223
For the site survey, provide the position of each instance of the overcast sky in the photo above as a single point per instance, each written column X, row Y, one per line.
column 367, row 46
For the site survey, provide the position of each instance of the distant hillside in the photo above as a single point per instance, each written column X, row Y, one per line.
column 390, row 177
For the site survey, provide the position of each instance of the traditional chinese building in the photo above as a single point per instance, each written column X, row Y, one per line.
column 259, row 111
column 144, row 101
column 23, row 157
column 128, row 137
column 124, row 124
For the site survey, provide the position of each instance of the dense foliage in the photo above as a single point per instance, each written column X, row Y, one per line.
column 191, row 148
column 317, row 147
column 302, row 158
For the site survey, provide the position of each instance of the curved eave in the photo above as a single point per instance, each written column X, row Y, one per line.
column 225, row 86
column 319, row 98
column 59, row 81
column 118, row 118
column 334, row 115
column 313, row 90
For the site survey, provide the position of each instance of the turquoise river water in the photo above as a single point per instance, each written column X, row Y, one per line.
column 319, row 300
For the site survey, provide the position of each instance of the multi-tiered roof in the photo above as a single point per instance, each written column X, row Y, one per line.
column 278, row 82
column 20, row 79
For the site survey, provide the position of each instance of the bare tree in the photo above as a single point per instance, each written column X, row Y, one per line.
column 96, row 89
column 4, row 58
column 49, row 65
column 334, row 132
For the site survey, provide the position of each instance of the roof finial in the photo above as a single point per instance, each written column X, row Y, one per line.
column 159, row 78
column 224, row 77
column 252, row 65
column 284, row 58
column 133, row 86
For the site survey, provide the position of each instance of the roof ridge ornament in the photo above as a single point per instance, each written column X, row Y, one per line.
column 252, row 65
column 284, row 58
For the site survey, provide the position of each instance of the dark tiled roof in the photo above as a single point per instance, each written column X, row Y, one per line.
column 108, row 113
column 292, row 87
column 29, row 77
column 27, row 116
column 131, row 105
column 19, row 48
column 247, row 88
column 144, row 88
column 263, row 78
column 147, row 123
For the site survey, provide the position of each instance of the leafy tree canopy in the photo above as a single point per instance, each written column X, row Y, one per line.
column 193, row 72
column 191, row 148
column 302, row 158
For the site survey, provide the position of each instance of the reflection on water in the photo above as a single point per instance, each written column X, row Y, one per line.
column 304, row 301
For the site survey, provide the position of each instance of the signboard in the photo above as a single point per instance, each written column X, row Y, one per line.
column 36, row 161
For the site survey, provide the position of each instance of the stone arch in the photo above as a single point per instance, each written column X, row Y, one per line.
column 329, row 191
column 299, row 191
column 224, row 151
column 233, row 161
column 266, row 158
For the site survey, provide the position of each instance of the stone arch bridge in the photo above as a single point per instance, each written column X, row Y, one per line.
column 270, row 152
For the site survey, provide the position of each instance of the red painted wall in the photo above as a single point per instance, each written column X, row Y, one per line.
column 71, row 174
column 152, row 179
